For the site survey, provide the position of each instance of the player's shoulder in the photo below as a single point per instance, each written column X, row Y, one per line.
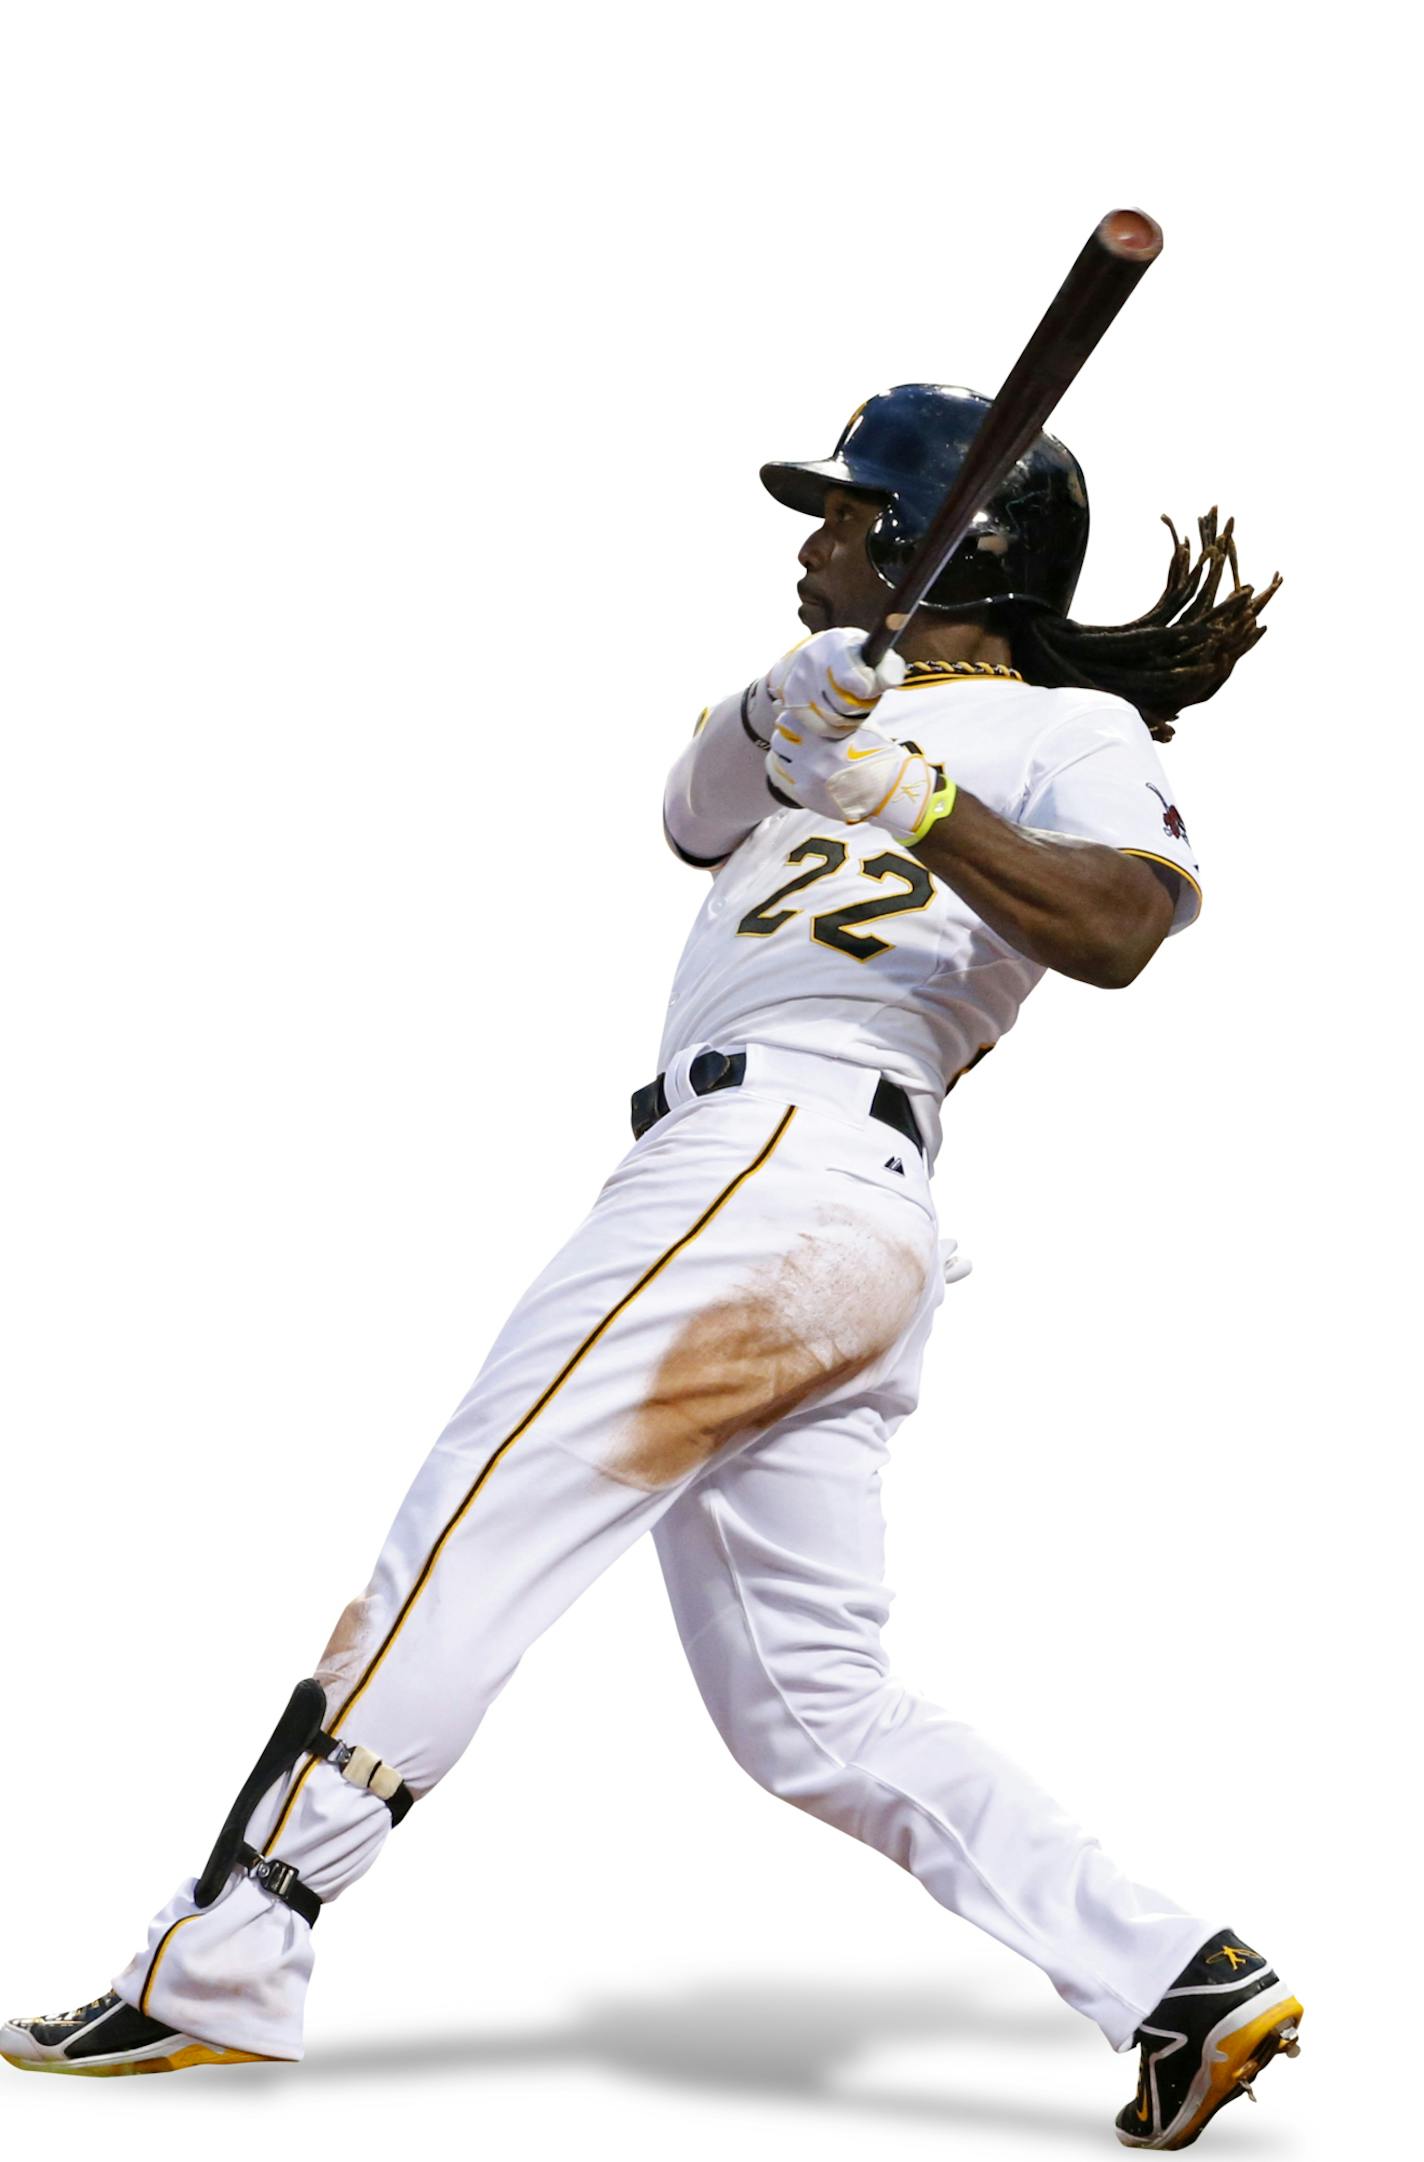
column 1072, row 723
column 998, row 702
column 1094, row 712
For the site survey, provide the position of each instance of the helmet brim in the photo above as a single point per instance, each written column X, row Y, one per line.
column 804, row 487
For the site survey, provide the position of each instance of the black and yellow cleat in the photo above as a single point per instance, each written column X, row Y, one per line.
column 107, row 2037
column 1224, row 2018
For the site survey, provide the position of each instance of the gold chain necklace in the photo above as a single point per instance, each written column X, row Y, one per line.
column 941, row 671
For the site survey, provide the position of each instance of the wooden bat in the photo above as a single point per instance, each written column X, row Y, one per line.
column 1116, row 255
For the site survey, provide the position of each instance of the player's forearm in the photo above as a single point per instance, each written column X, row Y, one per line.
column 717, row 790
column 1087, row 911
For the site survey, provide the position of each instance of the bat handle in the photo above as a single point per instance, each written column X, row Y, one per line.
column 882, row 639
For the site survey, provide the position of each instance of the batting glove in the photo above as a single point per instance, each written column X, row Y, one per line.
column 825, row 688
column 823, row 685
column 858, row 778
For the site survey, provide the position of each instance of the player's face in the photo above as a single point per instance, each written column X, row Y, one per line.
column 841, row 587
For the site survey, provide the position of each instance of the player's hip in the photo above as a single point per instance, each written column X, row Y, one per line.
column 841, row 1117
column 751, row 1255
column 798, row 1265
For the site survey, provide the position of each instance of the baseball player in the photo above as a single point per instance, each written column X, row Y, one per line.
column 722, row 1352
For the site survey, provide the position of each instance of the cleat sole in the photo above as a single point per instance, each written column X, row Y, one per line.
column 178, row 2060
column 1234, row 2060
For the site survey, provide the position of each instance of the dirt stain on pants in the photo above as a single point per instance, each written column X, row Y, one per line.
column 796, row 1328
column 341, row 1664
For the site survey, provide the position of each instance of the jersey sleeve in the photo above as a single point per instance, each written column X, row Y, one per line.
column 1097, row 776
column 718, row 789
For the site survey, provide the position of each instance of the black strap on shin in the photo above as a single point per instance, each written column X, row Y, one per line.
column 297, row 1733
column 282, row 1881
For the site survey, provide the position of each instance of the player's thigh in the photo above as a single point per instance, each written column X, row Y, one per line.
column 737, row 1269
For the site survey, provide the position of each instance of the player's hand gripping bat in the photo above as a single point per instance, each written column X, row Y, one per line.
column 1116, row 255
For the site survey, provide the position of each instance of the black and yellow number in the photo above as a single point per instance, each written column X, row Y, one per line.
column 758, row 922
column 833, row 929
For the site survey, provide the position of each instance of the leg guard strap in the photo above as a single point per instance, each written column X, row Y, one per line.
column 297, row 1733
column 282, row 1881
column 364, row 1769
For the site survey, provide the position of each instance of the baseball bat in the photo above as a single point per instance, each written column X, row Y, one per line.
column 1117, row 253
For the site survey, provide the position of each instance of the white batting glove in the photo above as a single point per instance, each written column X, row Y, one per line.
column 956, row 1266
column 859, row 778
column 823, row 685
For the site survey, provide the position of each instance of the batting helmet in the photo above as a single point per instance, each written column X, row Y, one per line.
column 1026, row 545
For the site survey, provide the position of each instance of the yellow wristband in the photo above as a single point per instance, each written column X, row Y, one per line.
column 940, row 805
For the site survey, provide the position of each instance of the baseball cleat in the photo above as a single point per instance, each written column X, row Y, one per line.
column 106, row 2037
column 1224, row 2018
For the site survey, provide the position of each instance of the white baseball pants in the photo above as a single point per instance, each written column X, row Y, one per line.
column 720, row 1355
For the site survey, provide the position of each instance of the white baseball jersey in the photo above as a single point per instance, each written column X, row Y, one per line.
column 823, row 937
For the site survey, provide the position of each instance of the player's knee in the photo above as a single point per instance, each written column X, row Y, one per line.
column 802, row 1745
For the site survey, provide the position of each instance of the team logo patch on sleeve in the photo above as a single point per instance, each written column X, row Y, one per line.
column 1172, row 820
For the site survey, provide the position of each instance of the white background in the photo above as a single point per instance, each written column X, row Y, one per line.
column 383, row 394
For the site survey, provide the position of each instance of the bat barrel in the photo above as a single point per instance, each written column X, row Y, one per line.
column 1131, row 235
column 1121, row 247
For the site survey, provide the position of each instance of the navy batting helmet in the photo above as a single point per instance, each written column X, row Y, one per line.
column 1026, row 545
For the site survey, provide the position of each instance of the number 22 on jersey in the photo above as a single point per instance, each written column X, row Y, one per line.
column 834, row 927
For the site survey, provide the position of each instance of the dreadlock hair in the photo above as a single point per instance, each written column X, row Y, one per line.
column 1178, row 654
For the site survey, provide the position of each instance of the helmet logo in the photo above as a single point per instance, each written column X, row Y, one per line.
column 849, row 429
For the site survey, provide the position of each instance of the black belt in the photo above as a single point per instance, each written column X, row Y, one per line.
column 714, row 1070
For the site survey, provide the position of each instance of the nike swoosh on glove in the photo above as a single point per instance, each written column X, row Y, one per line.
column 863, row 778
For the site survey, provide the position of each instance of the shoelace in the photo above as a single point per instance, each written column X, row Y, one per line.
column 71, row 2019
